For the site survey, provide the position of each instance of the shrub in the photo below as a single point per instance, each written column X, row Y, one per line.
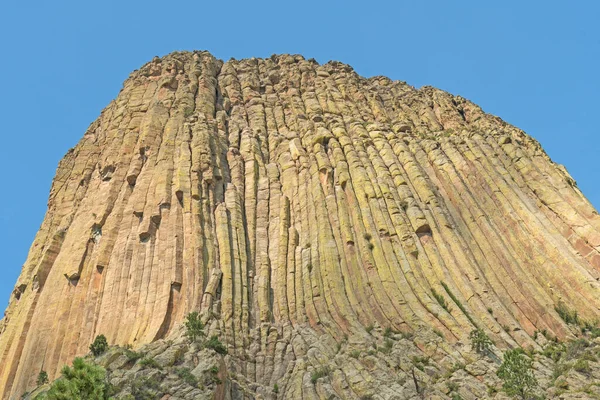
column 187, row 376
column 99, row 346
column 480, row 342
column 146, row 388
column 216, row 345
column 132, row 355
column 388, row 332
column 369, row 329
column 42, row 378
column 570, row 317
column 420, row 362
column 82, row 381
column 452, row 386
column 559, row 369
column 576, row 348
column 516, row 372
column 320, row 373
column 387, row 346
column 275, row 388
column 582, row 366
column 149, row 362
column 355, row 354
column 194, row 326
column 554, row 351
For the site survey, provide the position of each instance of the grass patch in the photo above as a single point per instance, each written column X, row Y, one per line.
column 569, row 316
column 440, row 299
column 458, row 303
column 319, row 373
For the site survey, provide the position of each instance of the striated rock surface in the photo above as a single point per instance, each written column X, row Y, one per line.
column 297, row 206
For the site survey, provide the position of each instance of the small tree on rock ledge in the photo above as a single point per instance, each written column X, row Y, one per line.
column 517, row 373
column 99, row 346
column 194, row 326
column 480, row 342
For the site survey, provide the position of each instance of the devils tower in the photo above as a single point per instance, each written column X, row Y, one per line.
column 313, row 218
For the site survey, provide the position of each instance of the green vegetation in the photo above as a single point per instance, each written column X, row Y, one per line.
column 516, row 372
column 275, row 388
column 440, row 299
column 149, row 362
column 387, row 346
column 570, row 317
column 480, row 342
column 214, row 370
column 186, row 375
column 146, row 388
column 389, row 332
column 369, row 328
column 216, row 345
column 355, row 354
column 99, row 346
column 320, row 373
column 420, row 362
column 42, row 378
column 132, row 356
column 582, row 366
column 458, row 303
column 554, row 351
column 194, row 326
column 82, row 381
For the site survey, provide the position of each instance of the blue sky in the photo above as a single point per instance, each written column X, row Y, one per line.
column 533, row 63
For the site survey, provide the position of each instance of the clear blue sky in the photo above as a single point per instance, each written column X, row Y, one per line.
column 533, row 63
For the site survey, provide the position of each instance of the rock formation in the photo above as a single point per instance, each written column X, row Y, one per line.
column 297, row 206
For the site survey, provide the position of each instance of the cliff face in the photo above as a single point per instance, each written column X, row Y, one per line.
column 287, row 200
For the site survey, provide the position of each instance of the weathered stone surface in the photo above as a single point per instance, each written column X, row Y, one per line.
column 295, row 204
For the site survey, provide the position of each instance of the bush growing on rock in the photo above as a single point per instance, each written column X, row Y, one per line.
column 215, row 344
column 570, row 317
column 82, row 381
column 480, row 342
column 42, row 378
column 194, row 326
column 99, row 346
column 149, row 362
column 320, row 373
column 146, row 388
column 516, row 372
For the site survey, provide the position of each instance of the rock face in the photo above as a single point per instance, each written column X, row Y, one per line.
column 296, row 206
